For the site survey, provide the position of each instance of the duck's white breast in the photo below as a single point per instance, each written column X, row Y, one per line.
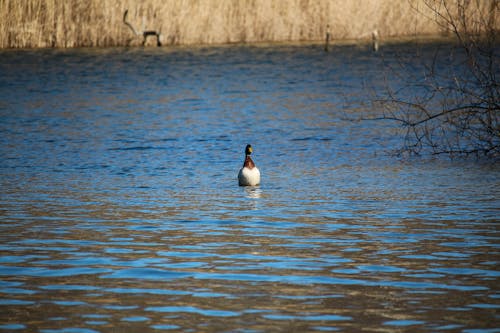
column 249, row 177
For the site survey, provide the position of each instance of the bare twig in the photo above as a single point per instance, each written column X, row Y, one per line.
column 453, row 110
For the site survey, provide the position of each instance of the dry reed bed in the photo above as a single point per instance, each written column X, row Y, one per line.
column 74, row 23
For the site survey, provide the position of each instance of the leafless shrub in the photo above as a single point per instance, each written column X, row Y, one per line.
column 453, row 106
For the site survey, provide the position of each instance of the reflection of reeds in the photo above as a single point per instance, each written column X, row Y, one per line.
column 70, row 23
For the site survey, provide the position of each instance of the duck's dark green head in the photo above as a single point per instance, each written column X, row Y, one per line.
column 248, row 150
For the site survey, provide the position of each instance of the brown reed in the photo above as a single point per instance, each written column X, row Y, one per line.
column 76, row 23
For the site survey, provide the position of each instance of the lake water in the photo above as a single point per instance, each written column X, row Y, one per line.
column 120, row 209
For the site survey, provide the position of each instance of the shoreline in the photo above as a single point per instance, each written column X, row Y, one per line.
column 362, row 42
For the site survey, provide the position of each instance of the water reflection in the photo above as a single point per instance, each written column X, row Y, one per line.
column 120, row 210
column 253, row 192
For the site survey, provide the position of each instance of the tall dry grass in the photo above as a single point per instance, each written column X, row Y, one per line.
column 72, row 23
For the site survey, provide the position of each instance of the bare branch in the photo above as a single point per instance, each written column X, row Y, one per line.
column 453, row 108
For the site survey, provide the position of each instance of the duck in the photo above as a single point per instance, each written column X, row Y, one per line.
column 249, row 174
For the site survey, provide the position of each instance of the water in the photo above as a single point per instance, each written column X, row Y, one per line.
column 120, row 209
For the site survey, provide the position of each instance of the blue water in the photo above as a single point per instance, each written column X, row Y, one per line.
column 120, row 208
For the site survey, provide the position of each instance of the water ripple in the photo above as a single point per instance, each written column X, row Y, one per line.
column 120, row 208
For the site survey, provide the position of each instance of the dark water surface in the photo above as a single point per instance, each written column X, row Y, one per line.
column 120, row 209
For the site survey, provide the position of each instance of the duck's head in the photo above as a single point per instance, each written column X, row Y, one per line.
column 248, row 150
